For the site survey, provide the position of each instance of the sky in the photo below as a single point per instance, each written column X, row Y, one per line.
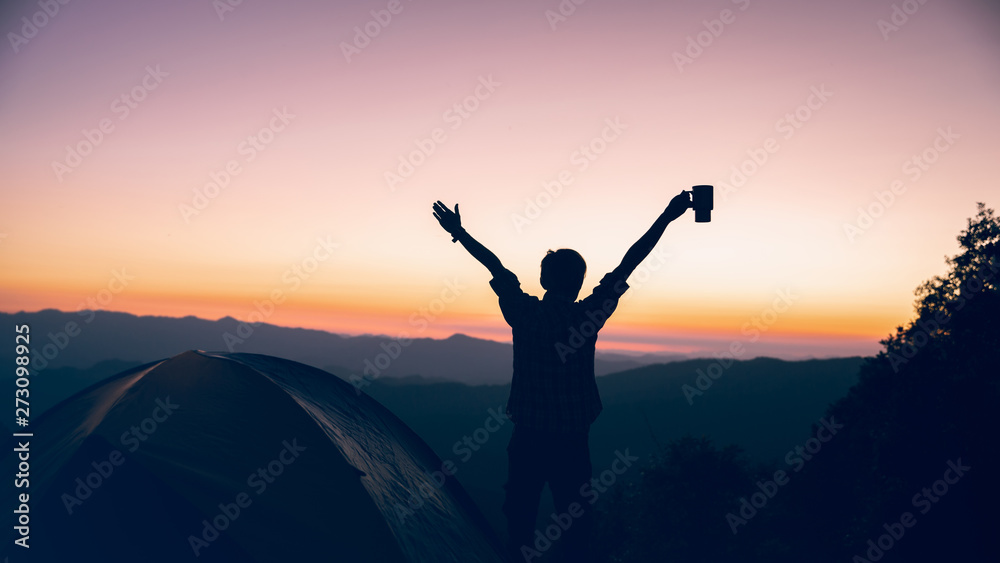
column 277, row 161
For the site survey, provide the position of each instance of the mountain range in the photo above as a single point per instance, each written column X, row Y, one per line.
column 85, row 338
column 449, row 390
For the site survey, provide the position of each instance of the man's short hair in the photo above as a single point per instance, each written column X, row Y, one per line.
column 563, row 270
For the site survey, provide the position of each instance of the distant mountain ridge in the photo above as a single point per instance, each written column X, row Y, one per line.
column 445, row 388
column 83, row 339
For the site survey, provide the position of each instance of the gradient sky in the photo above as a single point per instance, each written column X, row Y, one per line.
column 221, row 77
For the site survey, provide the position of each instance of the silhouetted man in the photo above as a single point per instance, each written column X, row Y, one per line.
column 553, row 393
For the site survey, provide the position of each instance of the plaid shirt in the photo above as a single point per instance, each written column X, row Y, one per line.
column 553, row 387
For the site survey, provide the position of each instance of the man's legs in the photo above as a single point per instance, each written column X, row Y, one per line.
column 525, row 480
column 571, row 469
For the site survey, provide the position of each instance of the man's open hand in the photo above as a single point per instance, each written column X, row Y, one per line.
column 450, row 220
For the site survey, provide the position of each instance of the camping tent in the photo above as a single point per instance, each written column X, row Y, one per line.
column 238, row 457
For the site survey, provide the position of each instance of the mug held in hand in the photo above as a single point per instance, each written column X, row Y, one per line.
column 702, row 202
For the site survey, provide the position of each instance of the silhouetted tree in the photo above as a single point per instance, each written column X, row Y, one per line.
column 926, row 399
column 676, row 510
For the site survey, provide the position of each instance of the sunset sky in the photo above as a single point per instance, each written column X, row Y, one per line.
column 329, row 129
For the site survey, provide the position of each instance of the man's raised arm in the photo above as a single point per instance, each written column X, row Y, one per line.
column 451, row 221
column 642, row 247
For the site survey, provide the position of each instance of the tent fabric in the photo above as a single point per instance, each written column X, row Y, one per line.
column 239, row 457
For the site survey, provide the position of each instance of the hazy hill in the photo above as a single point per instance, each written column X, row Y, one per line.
column 134, row 339
column 765, row 405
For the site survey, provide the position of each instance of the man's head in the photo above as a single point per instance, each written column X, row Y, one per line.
column 563, row 271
